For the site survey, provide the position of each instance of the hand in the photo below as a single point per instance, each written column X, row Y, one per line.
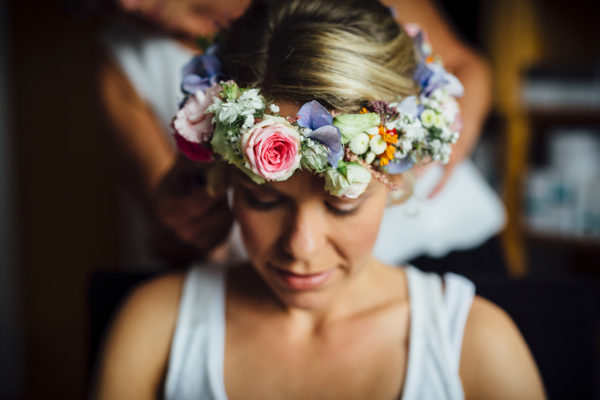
column 184, row 206
column 189, row 18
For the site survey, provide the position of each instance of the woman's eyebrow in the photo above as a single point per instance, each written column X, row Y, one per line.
column 253, row 186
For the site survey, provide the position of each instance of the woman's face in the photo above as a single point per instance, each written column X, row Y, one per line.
column 305, row 243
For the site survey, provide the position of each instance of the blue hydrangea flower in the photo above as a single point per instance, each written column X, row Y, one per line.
column 315, row 117
column 201, row 72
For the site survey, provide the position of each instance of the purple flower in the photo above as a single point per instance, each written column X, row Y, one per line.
column 200, row 72
column 420, row 40
column 399, row 166
column 315, row 117
column 410, row 106
column 432, row 76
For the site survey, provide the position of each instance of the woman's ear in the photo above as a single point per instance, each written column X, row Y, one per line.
column 406, row 184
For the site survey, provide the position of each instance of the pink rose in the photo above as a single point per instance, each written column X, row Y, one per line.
column 272, row 148
column 411, row 28
column 191, row 122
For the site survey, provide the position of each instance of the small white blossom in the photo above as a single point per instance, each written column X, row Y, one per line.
column 370, row 157
column 248, row 122
column 251, row 100
column 438, row 121
column 377, row 144
column 426, row 48
column 360, row 144
column 428, row 118
column 274, row 108
column 446, row 134
column 414, row 131
column 405, row 147
column 228, row 112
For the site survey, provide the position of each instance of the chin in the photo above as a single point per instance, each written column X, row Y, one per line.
column 301, row 293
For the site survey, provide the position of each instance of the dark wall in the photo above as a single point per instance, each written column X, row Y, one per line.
column 65, row 191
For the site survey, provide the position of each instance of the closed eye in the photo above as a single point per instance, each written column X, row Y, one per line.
column 341, row 212
column 263, row 204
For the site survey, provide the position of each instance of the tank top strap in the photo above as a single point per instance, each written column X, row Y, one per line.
column 195, row 367
column 459, row 293
column 438, row 315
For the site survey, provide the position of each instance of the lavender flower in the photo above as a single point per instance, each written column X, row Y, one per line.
column 315, row 117
column 201, row 72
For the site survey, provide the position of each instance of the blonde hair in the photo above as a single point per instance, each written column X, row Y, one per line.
column 342, row 53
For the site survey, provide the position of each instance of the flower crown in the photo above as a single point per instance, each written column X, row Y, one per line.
column 220, row 120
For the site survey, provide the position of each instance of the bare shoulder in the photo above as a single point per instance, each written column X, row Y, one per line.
column 496, row 362
column 137, row 347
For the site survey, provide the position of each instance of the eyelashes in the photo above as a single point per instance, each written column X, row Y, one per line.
column 268, row 205
column 261, row 205
column 340, row 212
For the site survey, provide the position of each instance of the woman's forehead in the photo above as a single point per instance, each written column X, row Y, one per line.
column 302, row 184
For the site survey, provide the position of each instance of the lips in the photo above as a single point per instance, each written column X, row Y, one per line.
column 303, row 281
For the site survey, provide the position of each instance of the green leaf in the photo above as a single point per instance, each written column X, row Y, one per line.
column 350, row 125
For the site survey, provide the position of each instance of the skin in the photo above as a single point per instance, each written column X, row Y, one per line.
column 282, row 342
column 150, row 154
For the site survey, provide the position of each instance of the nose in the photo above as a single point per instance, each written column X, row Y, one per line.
column 305, row 233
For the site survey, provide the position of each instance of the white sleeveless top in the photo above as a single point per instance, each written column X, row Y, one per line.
column 438, row 317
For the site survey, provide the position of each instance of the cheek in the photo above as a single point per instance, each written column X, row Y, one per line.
column 360, row 246
column 258, row 229
column 367, row 222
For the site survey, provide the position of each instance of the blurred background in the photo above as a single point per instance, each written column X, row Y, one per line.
column 60, row 218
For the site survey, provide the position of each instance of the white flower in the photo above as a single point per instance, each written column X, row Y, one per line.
column 351, row 183
column 314, row 156
column 248, row 122
column 439, row 94
column 446, row 134
column 360, row 144
column 446, row 151
column 454, row 138
column 274, row 108
column 228, row 112
column 405, row 147
column 373, row 131
column 426, row 48
column 370, row 157
column 438, row 121
column 428, row 118
column 414, row 131
column 449, row 109
column 377, row 144
column 435, row 145
column 251, row 100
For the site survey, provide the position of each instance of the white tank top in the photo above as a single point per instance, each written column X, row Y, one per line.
column 438, row 317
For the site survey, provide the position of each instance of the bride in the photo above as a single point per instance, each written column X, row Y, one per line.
column 313, row 121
